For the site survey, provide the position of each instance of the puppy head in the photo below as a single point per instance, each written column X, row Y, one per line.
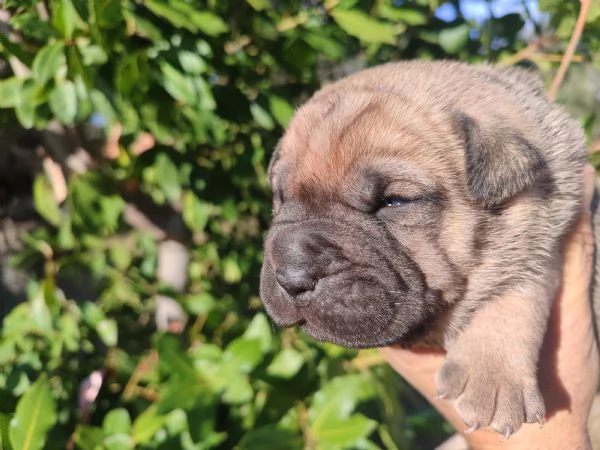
column 377, row 200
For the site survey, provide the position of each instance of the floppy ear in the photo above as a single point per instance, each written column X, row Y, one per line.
column 500, row 163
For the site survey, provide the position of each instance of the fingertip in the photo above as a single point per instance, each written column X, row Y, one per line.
column 589, row 185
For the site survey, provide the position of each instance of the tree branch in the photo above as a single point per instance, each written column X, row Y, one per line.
column 571, row 46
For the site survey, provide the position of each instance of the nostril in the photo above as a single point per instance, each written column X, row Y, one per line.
column 295, row 281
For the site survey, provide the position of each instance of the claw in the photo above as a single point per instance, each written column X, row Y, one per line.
column 507, row 433
column 441, row 396
column 472, row 428
column 540, row 419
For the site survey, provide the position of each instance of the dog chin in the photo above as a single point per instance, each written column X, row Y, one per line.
column 350, row 340
column 347, row 332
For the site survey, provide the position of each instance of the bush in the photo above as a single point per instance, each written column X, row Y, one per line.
column 151, row 123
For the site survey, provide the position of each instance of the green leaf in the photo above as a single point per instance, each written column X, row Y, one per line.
column 327, row 46
column 173, row 15
column 209, row 23
column 243, row 354
column 44, row 200
column 199, row 303
column 206, row 101
column 91, row 55
column 88, row 438
column 63, row 101
column 259, row 328
column 178, row 85
column 143, row 27
column 182, row 14
column 40, row 307
column 118, row 441
column 191, row 62
column 403, row 14
column 261, row 116
column 231, row 270
column 92, row 314
column 168, row 177
column 195, row 212
column 25, row 110
column 69, row 332
column 259, row 5
column 35, row 415
column 238, row 390
column 453, row 40
column 271, row 437
column 4, row 439
column 286, row 364
column 281, row 110
column 10, row 92
column 108, row 332
column 344, row 433
column 103, row 107
column 48, row 62
column 121, row 256
column 147, row 425
column 594, row 12
column 117, row 421
column 111, row 207
column 131, row 74
column 363, row 27
column 174, row 360
column 338, row 398
column 65, row 18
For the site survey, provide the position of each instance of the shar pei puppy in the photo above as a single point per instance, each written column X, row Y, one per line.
column 425, row 203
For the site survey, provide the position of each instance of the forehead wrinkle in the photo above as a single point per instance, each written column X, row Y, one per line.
column 329, row 135
column 326, row 147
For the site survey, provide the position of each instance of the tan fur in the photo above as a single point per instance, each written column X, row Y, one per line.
column 492, row 173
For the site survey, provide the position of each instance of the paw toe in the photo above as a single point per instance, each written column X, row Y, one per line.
column 451, row 380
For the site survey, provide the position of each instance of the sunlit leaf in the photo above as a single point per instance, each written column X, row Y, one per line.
column 10, row 92
column 178, row 85
column 147, row 424
column 286, row 364
column 364, row 27
column 48, row 62
column 117, row 421
column 63, row 101
column 65, row 17
column 454, row 39
column 35, row 415
column 282, row 111
column 4, row 427
column 44, row 200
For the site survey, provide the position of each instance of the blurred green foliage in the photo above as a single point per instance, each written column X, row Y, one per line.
column 214, row 83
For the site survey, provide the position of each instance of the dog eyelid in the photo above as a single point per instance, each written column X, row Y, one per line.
column 400, row 201
column 394, row 200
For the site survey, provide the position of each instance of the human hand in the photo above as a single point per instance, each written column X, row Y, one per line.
column 569, row 360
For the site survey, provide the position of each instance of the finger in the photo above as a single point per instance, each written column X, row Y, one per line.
column 579, row 244
column 589, row 185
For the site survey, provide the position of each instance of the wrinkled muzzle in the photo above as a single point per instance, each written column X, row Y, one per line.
column 350, row 285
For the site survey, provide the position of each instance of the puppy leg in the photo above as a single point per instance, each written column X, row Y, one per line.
column 491, row 367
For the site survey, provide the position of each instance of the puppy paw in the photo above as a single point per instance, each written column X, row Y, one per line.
column 490, row 393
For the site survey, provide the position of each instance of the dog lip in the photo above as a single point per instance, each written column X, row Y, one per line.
column 298, row 322
column 301, row 300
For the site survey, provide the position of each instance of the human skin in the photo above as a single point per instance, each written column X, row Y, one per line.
column 569, row 361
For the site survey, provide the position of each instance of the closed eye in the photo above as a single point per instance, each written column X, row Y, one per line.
column 396, row 201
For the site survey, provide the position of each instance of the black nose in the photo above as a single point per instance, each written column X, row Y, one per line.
column 296, row 280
